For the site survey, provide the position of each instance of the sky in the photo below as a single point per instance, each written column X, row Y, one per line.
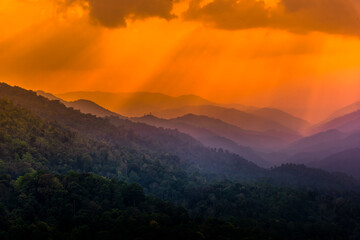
column 302, row 56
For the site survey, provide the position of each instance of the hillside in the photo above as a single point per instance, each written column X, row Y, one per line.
column 345, row 110
column 129, row 137
column 294, row 123
column 319, row 141
column 205, row 135
column 347, row 161
column 141, row 103
column 151, row 182
column 85, row 106
column 331, row 150
column 232, row 116
column 86, row 206
column 135, row 104
column 348, row 123
column 137, row 151
column 255, row 139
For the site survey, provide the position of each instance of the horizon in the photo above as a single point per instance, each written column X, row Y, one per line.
column 318, row 120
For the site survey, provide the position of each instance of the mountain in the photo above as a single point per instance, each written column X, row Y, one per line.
column 347, row 161
column 125, row 141
column 259, row 140
column 44, row 134
column 49, row 96
column 321, row 146
column 232, row 116
column 205, row 134
column 314, row 147
column 85, row 106
column 317, row 141
column 69, row 175
column 340, row 134
column 294, row 123
column 290, row 174
column 141, row 103
column 135, row 104
column 346, row 110
column 348, row 123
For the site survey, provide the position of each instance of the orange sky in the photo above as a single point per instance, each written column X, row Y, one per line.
column 299, row 55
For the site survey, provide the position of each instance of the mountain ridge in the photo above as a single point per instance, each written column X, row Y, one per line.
column 84, row 105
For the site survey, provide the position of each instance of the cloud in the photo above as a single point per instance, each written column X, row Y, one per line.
column 49, row 47
column 114, row 13
column 229, row 14
column 329, row 16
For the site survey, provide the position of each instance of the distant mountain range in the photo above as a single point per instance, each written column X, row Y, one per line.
column 347, row 161
column 209, row 132
column 48, row 135
column 266, row 136
column 135, row 104
column 349, row 123
column 345, row 110
column 232, row 116
column 142, row 103
column 332, row 145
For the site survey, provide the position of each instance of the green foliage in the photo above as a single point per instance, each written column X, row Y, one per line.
column 87, row 206
column 138, row 168
column 80, row 206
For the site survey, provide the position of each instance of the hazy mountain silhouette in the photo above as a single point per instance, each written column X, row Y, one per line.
column 320, row 146
column 314, row 147
column 232, row 116
column 135, row 104
column 205, row 135
column 85, row 106
column 337, row 114
column 345, row 110
column 315, row 142
column 138, row 104
column 346, row 161
column 279, row 116
column 256, row 139
column 49, row 96
column 348, row 123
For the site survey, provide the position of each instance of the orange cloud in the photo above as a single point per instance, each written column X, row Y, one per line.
column 329, row 16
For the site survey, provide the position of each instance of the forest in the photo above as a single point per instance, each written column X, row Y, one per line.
column 69, row 175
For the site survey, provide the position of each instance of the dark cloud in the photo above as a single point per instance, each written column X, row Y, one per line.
column 330, row 16
column 114, row 13
column 229, row 14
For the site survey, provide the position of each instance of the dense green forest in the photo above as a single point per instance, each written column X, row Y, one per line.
column 87, row 206
column 68, row 175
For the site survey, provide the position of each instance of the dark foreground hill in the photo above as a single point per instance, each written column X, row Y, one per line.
column 86, row 206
